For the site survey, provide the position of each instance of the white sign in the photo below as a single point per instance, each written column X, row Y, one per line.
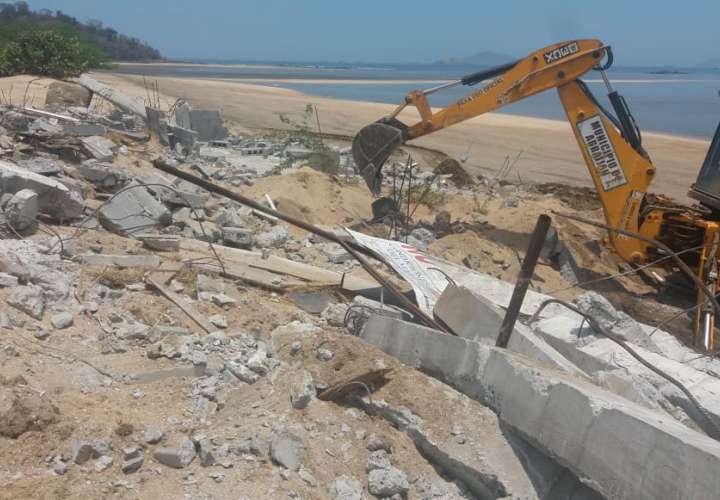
column 601, row 152
column 417, row 268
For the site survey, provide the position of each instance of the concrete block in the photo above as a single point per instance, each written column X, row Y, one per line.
column 238, row 237
column 595, row 355
column 621, row 449
column 54, row 198
column 178, row 457
column 22, row 210
column 84, row 129
column 287, row 450
column 98, row 147
column 475, row 318
column 183, row 136
column 134, row 211
column 42, row 166
column 122, row 261
column 182, row 115
column 102, row 175
column 157, row 123
column 63, row 94
column 617, row 447
column 160, row 242
column 208, row 123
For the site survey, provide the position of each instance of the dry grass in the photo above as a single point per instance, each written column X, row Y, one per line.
column 116, row 277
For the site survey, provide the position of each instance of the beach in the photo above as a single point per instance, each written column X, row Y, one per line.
column 547, row 148
column 548, row 151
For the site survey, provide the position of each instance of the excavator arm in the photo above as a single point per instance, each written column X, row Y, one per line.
column 611, row 146
column 619, row 167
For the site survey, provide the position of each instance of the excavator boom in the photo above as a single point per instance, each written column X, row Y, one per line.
column 620, row 168
column 542, row 70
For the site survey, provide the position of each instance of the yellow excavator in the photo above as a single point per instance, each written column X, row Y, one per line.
column 611, row 145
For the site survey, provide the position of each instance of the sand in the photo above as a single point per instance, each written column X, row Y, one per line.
column 548, row 150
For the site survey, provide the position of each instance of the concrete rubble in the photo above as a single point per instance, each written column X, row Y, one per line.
column 158, row 337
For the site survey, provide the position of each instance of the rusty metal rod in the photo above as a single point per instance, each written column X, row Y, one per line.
column 351, row 247
column 537, row 240
column 662, row 246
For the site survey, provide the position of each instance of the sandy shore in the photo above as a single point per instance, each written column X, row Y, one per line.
column 549, row 150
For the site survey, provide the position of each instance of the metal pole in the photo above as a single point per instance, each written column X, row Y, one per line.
column 537, row 240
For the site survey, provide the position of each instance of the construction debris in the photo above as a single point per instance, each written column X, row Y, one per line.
column 251, row 348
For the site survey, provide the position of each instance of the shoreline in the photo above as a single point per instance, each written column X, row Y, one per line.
column 548, row 149
column 541, row 121
column 287, row 82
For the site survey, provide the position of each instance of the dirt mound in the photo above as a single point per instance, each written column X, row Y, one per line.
column 576, row 197
column 452, row 167
column 22, row 410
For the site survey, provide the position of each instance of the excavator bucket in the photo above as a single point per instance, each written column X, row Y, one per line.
column 371, row 148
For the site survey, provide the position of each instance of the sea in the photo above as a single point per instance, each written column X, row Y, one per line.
column 676, row 101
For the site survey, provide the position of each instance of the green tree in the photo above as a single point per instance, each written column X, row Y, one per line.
column 52, row 53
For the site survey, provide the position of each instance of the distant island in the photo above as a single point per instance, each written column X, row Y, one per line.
column 17, row 19
column 667, row 72
column 485, row 58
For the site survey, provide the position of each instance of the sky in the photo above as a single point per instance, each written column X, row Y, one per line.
column 642, row 32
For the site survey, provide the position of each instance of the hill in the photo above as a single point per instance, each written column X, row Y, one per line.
column 17, row 18
column 713, row 62
column 484, row 58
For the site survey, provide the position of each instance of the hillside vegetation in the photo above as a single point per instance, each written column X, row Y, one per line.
column 55, row 44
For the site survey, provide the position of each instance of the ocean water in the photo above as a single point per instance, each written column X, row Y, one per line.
column 685, row 104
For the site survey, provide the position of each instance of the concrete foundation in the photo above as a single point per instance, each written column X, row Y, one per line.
column 601, row 355
column 208, row 123
column 54, row 198
column 617, row 447
column 474, row 318
column 158, row 125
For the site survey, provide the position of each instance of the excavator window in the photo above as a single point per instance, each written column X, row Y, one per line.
column 707, row 187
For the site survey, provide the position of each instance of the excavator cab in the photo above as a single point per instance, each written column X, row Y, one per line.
column 707, row 187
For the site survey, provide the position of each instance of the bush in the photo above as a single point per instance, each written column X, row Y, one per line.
column 50, row 53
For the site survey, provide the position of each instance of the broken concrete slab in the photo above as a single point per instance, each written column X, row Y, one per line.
column 238, row 237
column 473, row 317
column 208, row 124
column 60, row 95
column 28, row 299
column 273, row 238
column 42, row 166
column 102, row 175
column 345, row 488
column 158, row 124
column 610, row 443
column 84, row 129
column 117, row 98
column 615, row 321
column 183, row 136
column 62, row 320
column 302, row 391
column 160, row 242
column 22, row 209
column 182, row 115
column 133, row 211
column 599, row 355
column 54, row 198
column 98, row 147
column 287, row 450
column 178, row 457
column 120, row 261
